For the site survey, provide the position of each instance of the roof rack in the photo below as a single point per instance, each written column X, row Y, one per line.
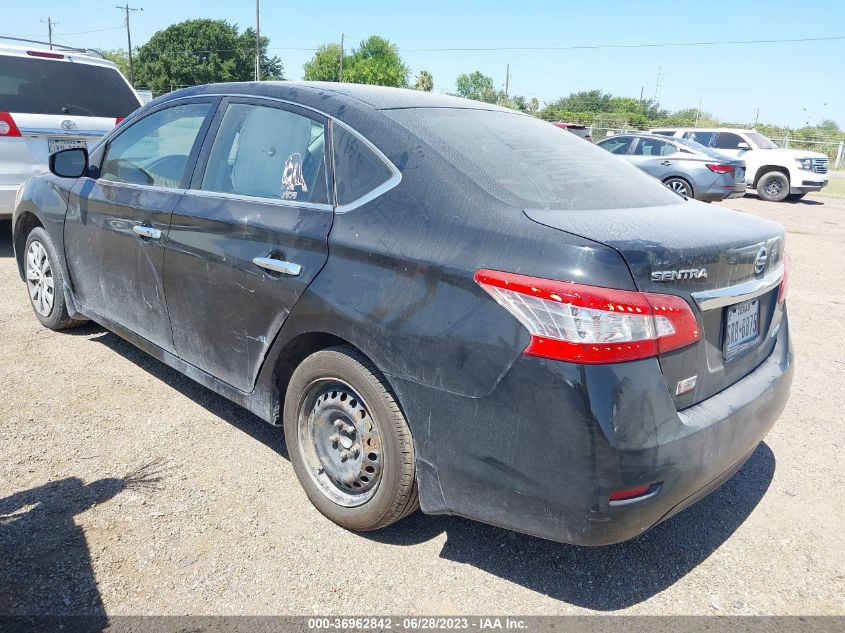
column 53, row 45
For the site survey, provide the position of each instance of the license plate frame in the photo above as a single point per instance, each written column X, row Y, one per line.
column 58, row 144
column 742, row 328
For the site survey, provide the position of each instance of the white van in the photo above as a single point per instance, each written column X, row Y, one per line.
column 51, row 100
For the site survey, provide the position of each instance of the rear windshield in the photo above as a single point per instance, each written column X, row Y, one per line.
column 529, row 163
column 41, row 86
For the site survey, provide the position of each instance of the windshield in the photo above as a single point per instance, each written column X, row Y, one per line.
column 761, row 141
column 41, row 86
column 529, row 163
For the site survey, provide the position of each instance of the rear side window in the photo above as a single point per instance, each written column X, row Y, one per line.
column 653, row 147
column 270, row 153
column 358, row 170
column 728, row 140
column 526, row 162
column 708, row 139
column 155, row 150
column 617, row 144
column 41, row 86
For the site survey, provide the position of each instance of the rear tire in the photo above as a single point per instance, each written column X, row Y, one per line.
column 348, row 441
column 773, row 186
column 44, row 282
column 681, row 186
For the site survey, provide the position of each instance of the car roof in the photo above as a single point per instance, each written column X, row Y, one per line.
column 37, row 52
column 705, row 129
column 376, row 97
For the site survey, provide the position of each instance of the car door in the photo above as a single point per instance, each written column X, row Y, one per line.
column 249, row 236
column 116, row 223
column 653, row 156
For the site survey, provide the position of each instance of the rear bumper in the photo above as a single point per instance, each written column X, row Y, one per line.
column 542, row 453
column 721, row 189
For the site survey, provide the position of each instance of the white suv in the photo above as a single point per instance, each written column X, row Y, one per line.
column 51, row 100
column 776, row 174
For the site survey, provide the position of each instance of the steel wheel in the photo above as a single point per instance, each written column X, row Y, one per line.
column 39, row 279
column 774, row 187
column 341, row 445
column 679, row 186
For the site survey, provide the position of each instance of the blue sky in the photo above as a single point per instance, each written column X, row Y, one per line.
column 791, row 83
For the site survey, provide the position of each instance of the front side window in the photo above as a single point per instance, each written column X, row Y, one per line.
column 617, row 144
column 155, row 150
column 358, row 170
column 728, row 140
column 267, row 152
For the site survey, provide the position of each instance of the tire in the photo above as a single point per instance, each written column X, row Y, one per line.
column 773, row 186
column 681, row 186
column 44, row 282
column 795, row 196
column 337, row 402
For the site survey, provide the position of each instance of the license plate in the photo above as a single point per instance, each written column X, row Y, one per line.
column 740, row 174
column 742, row 325
column 58, row 144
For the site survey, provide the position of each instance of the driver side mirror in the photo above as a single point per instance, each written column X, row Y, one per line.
column 69, row 163
column 743, row 145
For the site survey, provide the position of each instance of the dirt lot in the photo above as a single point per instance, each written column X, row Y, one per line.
column 127, row 489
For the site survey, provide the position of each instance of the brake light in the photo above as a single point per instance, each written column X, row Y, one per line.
column 588, row 324
column 784, row 282
column 7, row 125
column 721, row 169
column 45, row 54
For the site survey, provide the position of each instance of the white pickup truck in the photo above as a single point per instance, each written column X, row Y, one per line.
column 777, row 174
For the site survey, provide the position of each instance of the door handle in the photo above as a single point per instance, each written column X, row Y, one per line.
column 146, row 231
column 278, row 266
column 666, row 163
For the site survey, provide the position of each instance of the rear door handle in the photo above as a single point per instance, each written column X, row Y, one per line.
column 666, row 163
column 278, row 266
column 146, row 231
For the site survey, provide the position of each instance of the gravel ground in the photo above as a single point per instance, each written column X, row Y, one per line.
column 127, row 489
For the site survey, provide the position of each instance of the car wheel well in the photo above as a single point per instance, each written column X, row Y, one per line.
column 24, row 226
column 296, row 351
column 765, row 169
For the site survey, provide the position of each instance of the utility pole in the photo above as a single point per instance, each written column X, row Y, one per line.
column 657, row 83
column 126, row 9
column 698, row 112
column 257, row 42
column 50, row 25
column 507, row 79
column 642, row 88
column 756, row 117
column 340, row 78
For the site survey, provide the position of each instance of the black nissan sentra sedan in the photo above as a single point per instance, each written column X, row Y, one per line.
column 446, row 304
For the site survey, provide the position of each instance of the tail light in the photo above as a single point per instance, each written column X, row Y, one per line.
column 784, row 282
column 118, row 120
column 45, row 54
column 588, row 324
column 721, row 169
column 7, row 125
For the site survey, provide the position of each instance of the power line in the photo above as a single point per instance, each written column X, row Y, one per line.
column 111, row 28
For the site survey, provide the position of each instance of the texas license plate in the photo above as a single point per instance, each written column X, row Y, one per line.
column 58, row 144
column 742, row 328
column 740, row 174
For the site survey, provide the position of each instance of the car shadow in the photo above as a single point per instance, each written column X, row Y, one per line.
column 6, row 249
column 808, row 201
column 47, row 568
column 600, row 578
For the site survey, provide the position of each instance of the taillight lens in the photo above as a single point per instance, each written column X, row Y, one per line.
column 7, row 125
column 784, row 282
column 721, row 169
column 118, row 120
column 588, row 324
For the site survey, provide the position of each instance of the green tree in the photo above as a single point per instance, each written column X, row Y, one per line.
column 325, row 65
column 424, row 81
column 120, row 58
column 534, row 105
column 476, row 85
column 202, row 51
column 376, row 61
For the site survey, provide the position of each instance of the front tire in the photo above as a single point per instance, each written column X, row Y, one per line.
column 773, row 186
column 44, row 282
column 681, row 186
column 348, row 441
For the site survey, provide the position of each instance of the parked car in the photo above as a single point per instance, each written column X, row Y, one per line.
column 686, row 167
column 581, row 131
column 52, row 100
column 442, row 301
column 776, row 174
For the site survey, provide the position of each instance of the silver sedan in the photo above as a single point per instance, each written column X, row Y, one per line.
column 686, row 167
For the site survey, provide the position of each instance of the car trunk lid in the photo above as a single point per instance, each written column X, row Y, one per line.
column 714, row 258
